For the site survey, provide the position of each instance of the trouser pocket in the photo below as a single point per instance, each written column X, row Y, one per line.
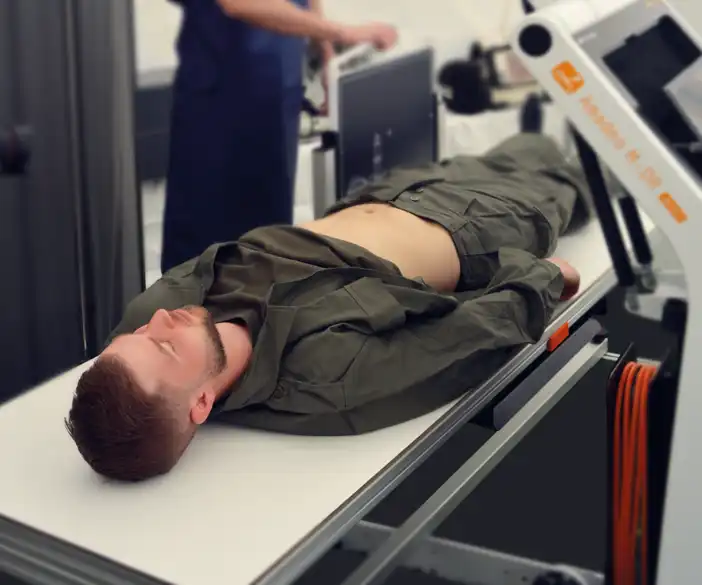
column 495, row 222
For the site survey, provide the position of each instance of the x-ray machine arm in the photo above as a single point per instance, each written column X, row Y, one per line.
column 627, row 75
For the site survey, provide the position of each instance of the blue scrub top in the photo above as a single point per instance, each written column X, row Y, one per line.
column 215, row 48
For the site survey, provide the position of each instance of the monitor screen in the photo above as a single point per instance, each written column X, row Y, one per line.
column 386, row 119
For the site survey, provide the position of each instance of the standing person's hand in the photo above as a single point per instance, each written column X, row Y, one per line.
column 381, row 36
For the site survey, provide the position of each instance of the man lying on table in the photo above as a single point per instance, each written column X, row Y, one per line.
column 402, row 298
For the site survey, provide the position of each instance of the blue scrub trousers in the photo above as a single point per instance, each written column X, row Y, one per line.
column 234, row 131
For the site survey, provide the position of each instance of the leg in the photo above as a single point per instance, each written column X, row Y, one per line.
column 522, row 193
column 527, row 151
column 566, row 201
column 519, row 195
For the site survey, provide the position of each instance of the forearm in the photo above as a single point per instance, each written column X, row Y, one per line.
column 535, row 284
column 284, row 17
column 457, row 350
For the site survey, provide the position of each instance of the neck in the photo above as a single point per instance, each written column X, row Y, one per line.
column 238, row 349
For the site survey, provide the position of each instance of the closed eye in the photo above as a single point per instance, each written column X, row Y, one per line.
column 165, row 347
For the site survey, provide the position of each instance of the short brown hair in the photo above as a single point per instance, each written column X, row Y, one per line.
column 122, row 432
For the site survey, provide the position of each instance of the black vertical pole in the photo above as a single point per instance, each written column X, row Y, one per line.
column 639, row 240
column 605, row 212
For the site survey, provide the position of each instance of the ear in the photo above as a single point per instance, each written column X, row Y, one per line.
column 202, row 406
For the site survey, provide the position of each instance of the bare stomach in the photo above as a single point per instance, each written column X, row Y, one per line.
column 419, row 248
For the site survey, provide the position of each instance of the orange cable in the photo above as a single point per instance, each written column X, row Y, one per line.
column 623, row 493
column 650, row 373
column 630, row 489
column 616, row 476
column 631, row 529
column 633, row 520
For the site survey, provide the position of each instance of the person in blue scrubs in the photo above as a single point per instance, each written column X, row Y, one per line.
column 237, row 97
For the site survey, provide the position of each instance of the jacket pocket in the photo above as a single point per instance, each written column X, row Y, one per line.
column 382, row 310
column 504, row 220
column 313, row 372
column 295, row 396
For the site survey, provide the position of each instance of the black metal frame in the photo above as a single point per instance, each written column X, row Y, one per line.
column 41, row 559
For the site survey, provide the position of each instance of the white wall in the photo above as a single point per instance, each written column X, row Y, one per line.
column 155, row 27
column 450, row 25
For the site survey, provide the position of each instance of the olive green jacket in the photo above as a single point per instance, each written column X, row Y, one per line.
column 350, row 350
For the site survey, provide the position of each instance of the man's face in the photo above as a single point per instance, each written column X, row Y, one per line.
column 177, row 350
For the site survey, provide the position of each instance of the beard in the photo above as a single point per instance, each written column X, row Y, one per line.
column 218, row 357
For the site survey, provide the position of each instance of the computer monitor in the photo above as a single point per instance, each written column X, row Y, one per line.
column 387, row 118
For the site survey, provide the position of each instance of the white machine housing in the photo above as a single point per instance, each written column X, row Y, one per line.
column 668, row 192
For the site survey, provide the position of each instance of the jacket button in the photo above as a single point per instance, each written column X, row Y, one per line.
column 279, row 392
column 414, row 198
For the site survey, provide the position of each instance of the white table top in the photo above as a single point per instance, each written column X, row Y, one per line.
column 238, row 500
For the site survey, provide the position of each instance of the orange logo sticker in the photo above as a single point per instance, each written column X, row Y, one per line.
column 567, row 77
column 677, row 212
